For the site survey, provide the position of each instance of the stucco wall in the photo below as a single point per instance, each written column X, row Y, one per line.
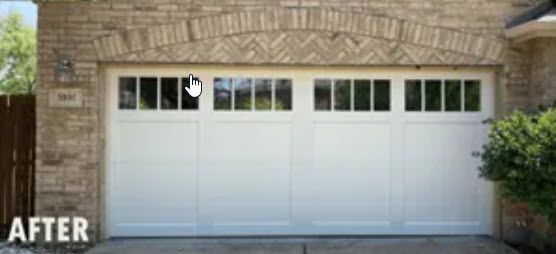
column 70, row 143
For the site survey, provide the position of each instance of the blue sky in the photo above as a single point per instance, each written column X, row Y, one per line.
column 27, row 8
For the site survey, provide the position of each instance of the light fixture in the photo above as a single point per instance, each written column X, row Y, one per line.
column 65, row 70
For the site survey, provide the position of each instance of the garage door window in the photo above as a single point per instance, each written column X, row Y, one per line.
column 169, row 93
column 452, row 95
column 433, row 95
column 448, row 95
column 222, row 93
column 351, row 95
column 127, row 93
column 381, row 95
column 283, row 94
column 187, row 102
column 472, row 95
column 258, row 94
column 242, row 94
column 263, row 94
column 362, row 93
column 153, row 93
column 323, row 94
column 342, row 94
column 413, row 95
column 148, row 93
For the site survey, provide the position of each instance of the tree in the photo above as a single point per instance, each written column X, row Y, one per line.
column 18, row 55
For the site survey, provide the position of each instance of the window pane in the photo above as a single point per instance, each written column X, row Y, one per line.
column 283, row 94
column 263, row 94
column 242, row 93
column 433, row 95
column 362, row 95
column 322, row 94
column 187, row 102
column 452, row 96
column 342, row 94
column 382, row 95
column 472, row 95
column 148, row 94
column 128, row 93
column 169, row 93
column 413, row 95
column 222, row 93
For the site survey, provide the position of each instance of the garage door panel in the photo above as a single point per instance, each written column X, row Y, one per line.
column 247, row 181
column 236, row 198
column 164, row 142
column 154, row 195
column 250, row 144
column 462, row 197
column 350, row 179
column 357, row 146
column 440, row 182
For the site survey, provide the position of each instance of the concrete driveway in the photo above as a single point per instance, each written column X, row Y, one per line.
column 403, row 245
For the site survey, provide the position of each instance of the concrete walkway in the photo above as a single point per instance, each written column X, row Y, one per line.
column 403, row 245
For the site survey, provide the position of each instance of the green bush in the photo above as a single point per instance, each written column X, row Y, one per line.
column 521, row 157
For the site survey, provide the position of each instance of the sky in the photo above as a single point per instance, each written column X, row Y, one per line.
column 25, row 7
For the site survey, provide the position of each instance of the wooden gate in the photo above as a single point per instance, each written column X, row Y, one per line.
column 17, row 159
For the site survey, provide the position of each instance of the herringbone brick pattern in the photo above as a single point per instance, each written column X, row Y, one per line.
column 300, row 36
column 301, row 47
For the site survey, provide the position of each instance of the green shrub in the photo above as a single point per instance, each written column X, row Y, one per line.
column 521, row 157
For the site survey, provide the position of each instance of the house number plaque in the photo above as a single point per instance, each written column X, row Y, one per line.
column 65, row 98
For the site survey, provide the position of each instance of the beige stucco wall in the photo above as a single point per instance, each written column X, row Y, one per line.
column 70, row 145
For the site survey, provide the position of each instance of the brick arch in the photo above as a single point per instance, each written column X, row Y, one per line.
column 312, row 22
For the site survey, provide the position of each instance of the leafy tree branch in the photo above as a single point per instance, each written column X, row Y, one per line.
column 18, row 55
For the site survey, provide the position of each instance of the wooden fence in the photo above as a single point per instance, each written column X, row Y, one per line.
column 17, row 159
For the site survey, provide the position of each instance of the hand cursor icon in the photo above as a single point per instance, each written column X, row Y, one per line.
column 195, row 87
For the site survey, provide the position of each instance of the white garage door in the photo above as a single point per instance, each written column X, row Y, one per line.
column 296, row 151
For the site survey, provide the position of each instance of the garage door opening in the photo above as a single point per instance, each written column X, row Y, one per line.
column 297, row 151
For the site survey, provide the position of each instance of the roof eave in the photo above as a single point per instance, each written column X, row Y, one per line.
column 531, row 30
